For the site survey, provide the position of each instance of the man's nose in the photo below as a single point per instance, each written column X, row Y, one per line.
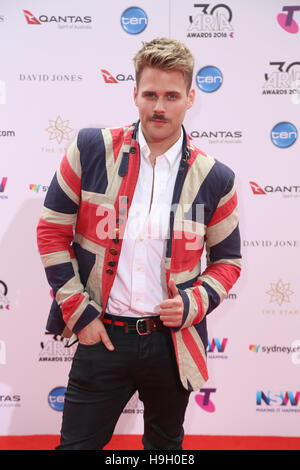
column 159, row 107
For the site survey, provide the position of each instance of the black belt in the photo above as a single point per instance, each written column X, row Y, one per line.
column 141, row 326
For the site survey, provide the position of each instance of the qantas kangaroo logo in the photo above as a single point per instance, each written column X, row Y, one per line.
column 108, row 78
column 255, row 188
column 30, row 18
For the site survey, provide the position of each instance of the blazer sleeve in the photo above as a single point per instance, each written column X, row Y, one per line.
column 223, row 249
column 55, row 232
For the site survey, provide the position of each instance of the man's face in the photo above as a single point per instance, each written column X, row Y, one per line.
column 163, row 100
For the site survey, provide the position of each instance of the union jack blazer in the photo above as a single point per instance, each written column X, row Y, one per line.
column 92, row 189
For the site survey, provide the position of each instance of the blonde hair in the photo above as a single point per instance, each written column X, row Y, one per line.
column 165, row 54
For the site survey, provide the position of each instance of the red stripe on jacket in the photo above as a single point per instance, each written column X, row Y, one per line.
column 194, row 351
column 197, row 297
column 70, row 305
column 96, row 222
column 70, row 177
column 224, row 211
column 53, row 237
column 226, row 274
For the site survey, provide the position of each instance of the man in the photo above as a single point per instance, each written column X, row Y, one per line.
column 121, row 235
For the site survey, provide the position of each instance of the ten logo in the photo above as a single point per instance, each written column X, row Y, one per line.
column 286, row 21
column 209, row 79
column 134, row 20
column 284, row 134
column 56, row 398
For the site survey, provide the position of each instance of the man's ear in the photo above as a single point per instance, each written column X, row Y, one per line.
column 191, row 98
column 135, row 93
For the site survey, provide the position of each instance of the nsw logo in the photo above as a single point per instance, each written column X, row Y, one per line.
column 134, row 20
column 56, row 398
column 284, row 134
column 3, row 184
column 209, row 79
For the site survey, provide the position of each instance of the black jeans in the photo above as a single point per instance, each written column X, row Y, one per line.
column 101, row 382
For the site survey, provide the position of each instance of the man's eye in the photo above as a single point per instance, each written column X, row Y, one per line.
column 172, row 96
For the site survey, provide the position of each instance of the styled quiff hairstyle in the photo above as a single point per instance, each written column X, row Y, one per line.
column 165, row 54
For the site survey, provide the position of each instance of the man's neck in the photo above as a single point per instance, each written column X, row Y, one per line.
column 160, row 147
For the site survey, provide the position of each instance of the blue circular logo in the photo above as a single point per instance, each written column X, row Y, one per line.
column 56, row 398
column 284, row 134
column 134, row 20
column 209, row 79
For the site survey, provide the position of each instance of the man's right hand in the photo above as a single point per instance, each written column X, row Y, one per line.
column 93, row 333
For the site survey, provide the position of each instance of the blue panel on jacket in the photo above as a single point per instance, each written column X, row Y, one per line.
column 92, row 156
column 86, row 261
column 227, row 248
column 57, row 200
column 59, row 274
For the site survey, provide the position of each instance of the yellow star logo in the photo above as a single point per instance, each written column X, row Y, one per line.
column 59, row 130
column 280, row 292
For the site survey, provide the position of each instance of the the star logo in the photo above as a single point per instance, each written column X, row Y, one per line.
column 280, row 292
column 59, row 130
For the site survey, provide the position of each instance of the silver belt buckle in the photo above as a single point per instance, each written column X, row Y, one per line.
column 137, row 327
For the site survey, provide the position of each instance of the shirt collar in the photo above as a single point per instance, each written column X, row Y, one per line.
column 172, row 155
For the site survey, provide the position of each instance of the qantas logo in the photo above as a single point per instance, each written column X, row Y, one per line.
column 30, row 18
column 120, row 77
column 256, row 189
column 285, row 190
column 66, row 21
column 108, row 78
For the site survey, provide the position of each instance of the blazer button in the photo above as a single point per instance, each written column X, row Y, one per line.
column 124, row 199
column 109, row 271
column 113, row 251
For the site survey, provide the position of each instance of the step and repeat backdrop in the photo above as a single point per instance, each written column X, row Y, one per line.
column 66, row 65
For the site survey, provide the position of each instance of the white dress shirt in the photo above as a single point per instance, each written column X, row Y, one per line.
column 140, row 282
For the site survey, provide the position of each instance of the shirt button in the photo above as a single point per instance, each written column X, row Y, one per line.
column 112, row 263
column 113, row 251
column 124, row 199
column 109, row 271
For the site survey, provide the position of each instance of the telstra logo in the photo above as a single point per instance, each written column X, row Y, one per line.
column 286, row 21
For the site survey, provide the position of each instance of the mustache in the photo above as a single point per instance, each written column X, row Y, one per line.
column 161, row 117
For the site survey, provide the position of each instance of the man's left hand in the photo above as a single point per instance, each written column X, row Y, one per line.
column 171, row 310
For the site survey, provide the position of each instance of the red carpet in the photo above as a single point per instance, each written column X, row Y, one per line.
column 132, row 442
